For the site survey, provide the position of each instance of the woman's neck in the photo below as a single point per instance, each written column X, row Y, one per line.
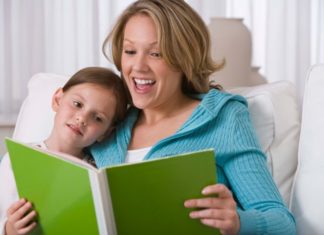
column 154, row 125
column 175, row 108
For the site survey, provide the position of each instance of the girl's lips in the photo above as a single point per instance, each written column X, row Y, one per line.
column 75, row 129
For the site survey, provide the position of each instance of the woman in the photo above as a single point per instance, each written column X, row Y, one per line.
column 162, row 49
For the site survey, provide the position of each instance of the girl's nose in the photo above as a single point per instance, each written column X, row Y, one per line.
column 81, row 120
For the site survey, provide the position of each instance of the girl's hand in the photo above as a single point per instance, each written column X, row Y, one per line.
column 216, row 211
column 20, row 218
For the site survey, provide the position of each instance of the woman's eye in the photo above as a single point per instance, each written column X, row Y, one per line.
column 77, row 104
column 156, row 54
column 130, row 52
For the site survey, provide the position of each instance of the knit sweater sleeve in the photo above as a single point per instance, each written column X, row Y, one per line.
column 262, row 210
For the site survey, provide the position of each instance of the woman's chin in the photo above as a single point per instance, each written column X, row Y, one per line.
column 140, row 105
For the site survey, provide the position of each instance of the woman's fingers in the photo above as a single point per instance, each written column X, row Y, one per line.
column 218, row 203
column 222, row 225
column 222, row 219
column 219, row 189
column 207, row 214
column 211, row 202
column 217, row 210
column 222, row 198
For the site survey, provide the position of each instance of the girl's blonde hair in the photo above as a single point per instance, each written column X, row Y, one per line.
column 183, row 38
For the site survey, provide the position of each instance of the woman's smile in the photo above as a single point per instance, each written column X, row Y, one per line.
column 143, row 85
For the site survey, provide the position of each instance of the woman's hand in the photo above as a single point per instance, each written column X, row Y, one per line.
column 216, row 211
column 20, row 218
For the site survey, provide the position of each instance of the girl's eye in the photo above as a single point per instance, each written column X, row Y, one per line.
column 77, row 104
column 98, row 119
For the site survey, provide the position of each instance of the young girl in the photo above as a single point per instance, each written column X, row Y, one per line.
column 87, row 109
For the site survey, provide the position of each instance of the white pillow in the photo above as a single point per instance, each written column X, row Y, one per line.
column 35, row 119
column 273, row 109
column 275, row 115
column 308, row 190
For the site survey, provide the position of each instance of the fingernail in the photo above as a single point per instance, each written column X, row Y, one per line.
column 204, row 191
column 192, row 215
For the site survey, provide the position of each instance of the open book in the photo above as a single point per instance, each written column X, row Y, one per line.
column 73, row 197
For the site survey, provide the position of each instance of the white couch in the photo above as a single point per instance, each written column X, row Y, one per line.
column 275, row 115
column 308, row 189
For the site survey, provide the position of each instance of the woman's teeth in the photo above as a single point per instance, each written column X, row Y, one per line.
column 143, row 81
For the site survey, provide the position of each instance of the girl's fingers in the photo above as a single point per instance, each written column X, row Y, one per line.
column 15, row 215
column 27, row 229
column 15, row 206
column 24, row 222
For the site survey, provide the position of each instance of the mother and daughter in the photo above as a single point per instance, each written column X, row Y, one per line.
column 162, row 50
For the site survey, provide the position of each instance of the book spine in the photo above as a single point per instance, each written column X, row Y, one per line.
column 102, row 203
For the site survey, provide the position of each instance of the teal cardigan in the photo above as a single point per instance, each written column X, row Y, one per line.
column 221, row 121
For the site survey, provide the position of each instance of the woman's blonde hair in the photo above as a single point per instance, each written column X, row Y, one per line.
column 183, row 38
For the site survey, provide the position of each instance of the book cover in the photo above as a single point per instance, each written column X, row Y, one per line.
column 72, row 197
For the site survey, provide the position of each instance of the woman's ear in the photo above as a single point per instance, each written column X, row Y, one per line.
column 56, row 99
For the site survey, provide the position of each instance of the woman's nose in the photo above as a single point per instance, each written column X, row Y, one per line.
column 140, row 63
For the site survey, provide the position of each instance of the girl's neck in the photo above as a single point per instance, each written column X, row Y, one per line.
column 53, row 145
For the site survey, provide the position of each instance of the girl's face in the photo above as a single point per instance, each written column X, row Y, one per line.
column 84, row 114
column 151, row 81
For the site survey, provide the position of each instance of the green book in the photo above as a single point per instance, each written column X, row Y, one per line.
column 73, row 197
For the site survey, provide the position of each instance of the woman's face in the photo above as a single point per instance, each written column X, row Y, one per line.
column 151, row 81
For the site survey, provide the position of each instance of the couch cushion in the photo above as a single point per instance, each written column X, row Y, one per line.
column 35, row 119
column 308, row 190
column 275, row 115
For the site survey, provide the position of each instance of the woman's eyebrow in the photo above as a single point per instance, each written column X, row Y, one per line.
column 130, row 41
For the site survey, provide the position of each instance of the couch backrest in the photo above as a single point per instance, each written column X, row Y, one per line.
column 35, row 119
column 275, row 115
column 273, row 109
column 307, row 195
